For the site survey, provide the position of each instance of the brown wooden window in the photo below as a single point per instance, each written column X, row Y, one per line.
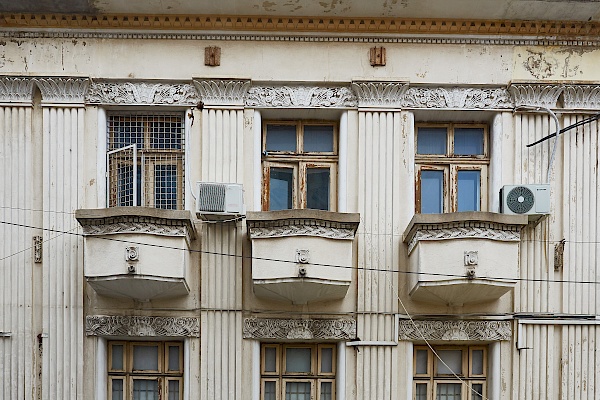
column 451, row 167
column 145, row 160
column 299, row 161
column 456, row 373
column 298, row 371
column 145, row 370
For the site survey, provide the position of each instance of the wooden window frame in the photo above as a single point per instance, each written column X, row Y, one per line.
column 451, row 164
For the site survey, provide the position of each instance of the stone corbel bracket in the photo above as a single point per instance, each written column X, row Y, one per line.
column 142, row 326
column 142, row 93
column 154, row 221
column 299, row 329
column 463, row 330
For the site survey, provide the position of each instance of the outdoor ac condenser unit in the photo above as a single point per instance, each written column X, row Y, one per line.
column 218, row 201
column 531, row 200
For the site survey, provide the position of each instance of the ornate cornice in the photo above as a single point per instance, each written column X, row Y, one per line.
column 582, row 97
column 456, row 98
column 301, row 230
column 222, row 92
column 300, row 97
column 455, row 330
column 380, row 94
column 298, row 24
column 142, row 93
column 535, row 94
column 16, row 90
column 115, row 325
column 505, row 234
column 299, row 329
column 63, row 91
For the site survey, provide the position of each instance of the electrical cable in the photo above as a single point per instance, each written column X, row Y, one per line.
column 566, row 129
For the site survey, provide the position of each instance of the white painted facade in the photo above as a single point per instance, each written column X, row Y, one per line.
column 537, row 318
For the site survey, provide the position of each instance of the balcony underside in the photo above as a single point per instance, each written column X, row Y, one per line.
column 460, row 291
column 139, row 287
column 300, row 290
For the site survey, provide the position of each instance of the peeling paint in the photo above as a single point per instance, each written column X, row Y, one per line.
column 540, row 65
column 268, row 5
column 564, row 63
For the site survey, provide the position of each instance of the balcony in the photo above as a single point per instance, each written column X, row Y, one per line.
column 461, row 258
column 136, row 252
column 300, row 256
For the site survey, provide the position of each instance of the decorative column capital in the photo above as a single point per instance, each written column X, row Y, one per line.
column 63, row 91
column 142, row 93
column 16, row 90
column 585, row 97
column 468, row 98
column 222, row 92
column 481, row 330
column 373, row 94
column 301, row 97
column 535, row 94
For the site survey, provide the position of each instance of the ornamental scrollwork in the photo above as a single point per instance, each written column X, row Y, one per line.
column 63, row 90
column 222, row 92
column 299, row 329
column 16, row 90
column 142, row 93
column 300, row 97
column 115, row 325
column 454, row 330
column 458, row 97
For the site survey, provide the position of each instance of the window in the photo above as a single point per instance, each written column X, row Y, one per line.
column 145, row 370
column 299, row 165
column 145, row 160
column 298, row 372
column 451, row 167
column 434, row 378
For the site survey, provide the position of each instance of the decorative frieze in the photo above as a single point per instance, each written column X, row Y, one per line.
column 116, row 325
column 16, row 90
column 222, row 92
column 535, row 95
column 507, row 234
column 456, row 98
column 301, row 230
column 134, row 227
column 299, row 329
column 454, row 330
column 300, row 97
column 63, row 91
column 142, row 93
column 582, row 97
column 380, row 94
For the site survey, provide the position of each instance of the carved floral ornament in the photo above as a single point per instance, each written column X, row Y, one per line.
column 115, row 325
column 142, row 93
column 299, row 329
column 455, row 330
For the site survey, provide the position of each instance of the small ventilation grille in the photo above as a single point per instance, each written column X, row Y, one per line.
column 211, row 197
column 520, row 200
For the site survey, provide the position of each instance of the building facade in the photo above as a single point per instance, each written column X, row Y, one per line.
column 295, row 201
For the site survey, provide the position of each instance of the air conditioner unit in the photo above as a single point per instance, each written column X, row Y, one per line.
column 531, row 200
column 219, row 201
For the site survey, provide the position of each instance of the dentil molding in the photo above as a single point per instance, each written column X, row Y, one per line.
column 16, row 90
column 582, row 97
column 300, row 329
column 222, row 92
column 115, row 325
column 456, row 98
column 380, row 94
column 63, row 91
column 300, row 97
column 535, row 94
column 142, row 93
column 454, row 330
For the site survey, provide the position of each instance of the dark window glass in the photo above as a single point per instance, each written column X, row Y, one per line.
column 468, row 141
column 318, row 138
column 281, row 138
column 281, row 189
column 317, row 188
column 431, row 141
column 432, row 189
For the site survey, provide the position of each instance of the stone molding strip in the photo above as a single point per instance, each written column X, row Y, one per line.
column 430, row 330
column 299, row 329
column 300, row 97
column 115, row 325
column 142, row 93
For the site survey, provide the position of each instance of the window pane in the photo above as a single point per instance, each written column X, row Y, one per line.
column 468, row 190
column 318, row 138
column 432, row 189
column 117, row 357
column 297, row 359
column 317, row 188
column 421, row 367
column 431, row 141
column 174, row 358
column 448, row 391
column 327, row 359
column 297, row 391
column 421, row 391
column 468, row 141
column 125, row 131
column 477, row 362
column 326, row 391
column 270, row 391
column 165, row 186
column 281, row 189
column 270, row 359
column 167, row 133
column 281, row 138
column 452, row 360
column 173, row 390
column 477, row 391
column 145, row 358
column 117, row 389
column 145, row 389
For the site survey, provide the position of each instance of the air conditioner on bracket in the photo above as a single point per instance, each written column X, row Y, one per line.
column 531, row 200
column 218, row 201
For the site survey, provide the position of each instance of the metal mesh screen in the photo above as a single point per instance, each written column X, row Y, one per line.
column 146, row 160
